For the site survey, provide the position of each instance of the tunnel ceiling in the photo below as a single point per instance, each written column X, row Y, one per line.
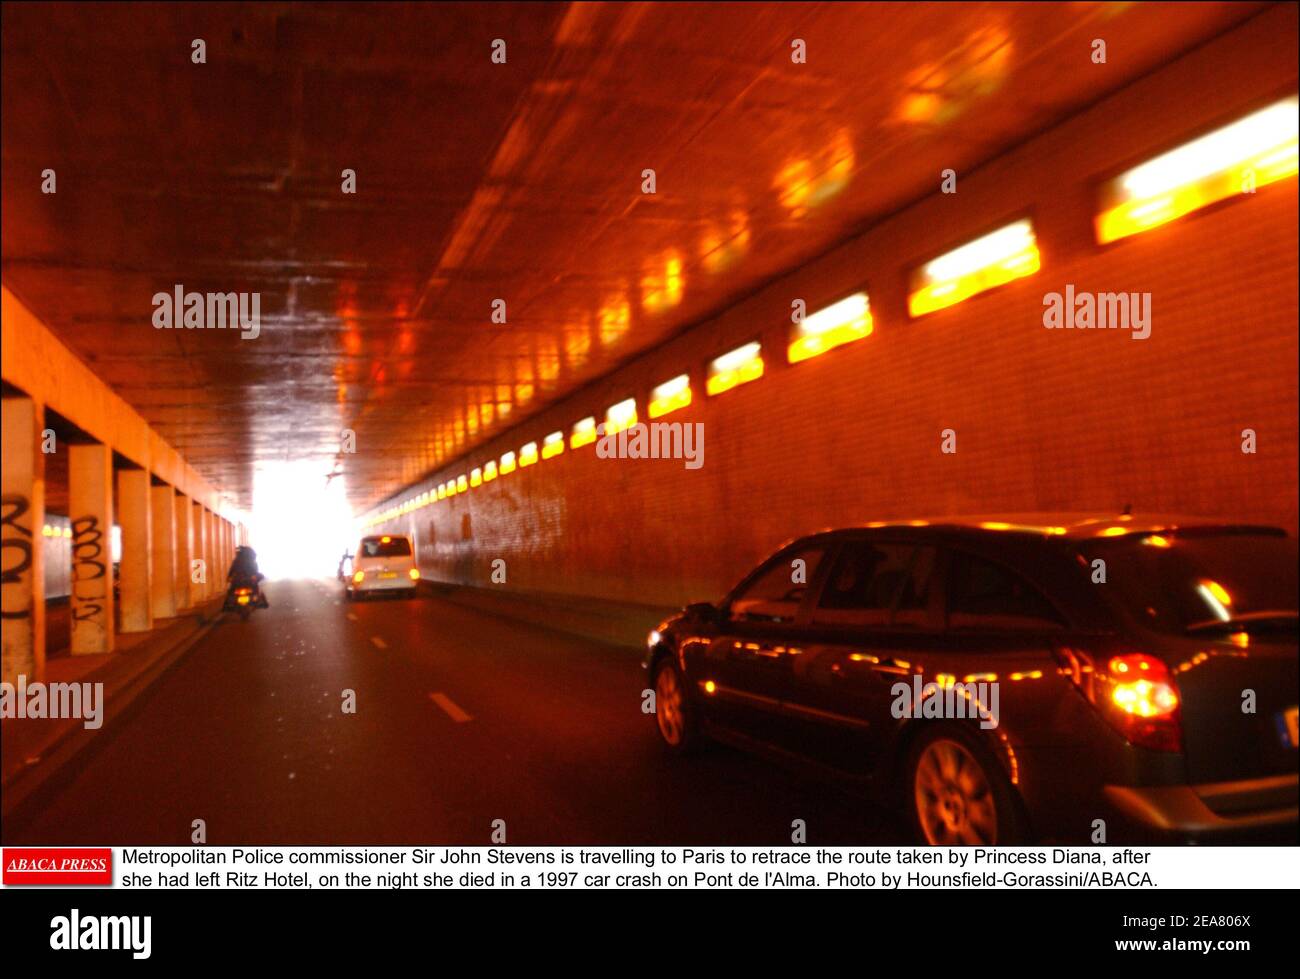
column 478, row 181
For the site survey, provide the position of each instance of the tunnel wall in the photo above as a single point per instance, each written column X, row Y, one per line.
column 1045, row 420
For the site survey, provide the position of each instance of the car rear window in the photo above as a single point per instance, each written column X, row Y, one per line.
column 392, row 547
column 1176, row 582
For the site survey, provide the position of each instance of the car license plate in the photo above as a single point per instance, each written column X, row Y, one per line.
column 1287, row 723
column 388, row 574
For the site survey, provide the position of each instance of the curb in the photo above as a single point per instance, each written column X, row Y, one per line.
column 31, row 785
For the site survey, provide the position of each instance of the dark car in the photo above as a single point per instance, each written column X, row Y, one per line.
column 1074, row 678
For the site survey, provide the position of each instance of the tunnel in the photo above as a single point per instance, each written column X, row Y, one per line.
column 592, row 382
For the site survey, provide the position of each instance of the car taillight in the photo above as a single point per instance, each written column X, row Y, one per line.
column 415, row 574
column 243, row 591
column 359, row 577
column 1136, row 695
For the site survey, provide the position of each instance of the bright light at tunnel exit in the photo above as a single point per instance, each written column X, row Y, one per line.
column 300, row 525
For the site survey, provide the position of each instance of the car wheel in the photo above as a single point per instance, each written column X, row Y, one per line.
column 958, row 794
column 675, row 715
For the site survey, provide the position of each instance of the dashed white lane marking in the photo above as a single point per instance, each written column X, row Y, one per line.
column 379, row 642
column 449, row 708
column 352, row 616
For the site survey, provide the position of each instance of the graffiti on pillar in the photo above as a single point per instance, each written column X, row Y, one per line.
column 14, row 537
column 87, row 567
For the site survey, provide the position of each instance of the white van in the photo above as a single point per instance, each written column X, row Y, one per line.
column 384, row 563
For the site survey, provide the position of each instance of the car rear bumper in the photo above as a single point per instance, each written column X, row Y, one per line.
column 1248, row 809
column 400, row 583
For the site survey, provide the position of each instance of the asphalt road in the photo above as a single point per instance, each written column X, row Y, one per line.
column 461, row 719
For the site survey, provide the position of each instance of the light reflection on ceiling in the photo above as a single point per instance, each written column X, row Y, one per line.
column 478, row 182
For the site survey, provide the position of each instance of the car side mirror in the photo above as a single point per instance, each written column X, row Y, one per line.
column 705, row 611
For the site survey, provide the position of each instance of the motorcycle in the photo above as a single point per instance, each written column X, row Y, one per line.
column 244, row 595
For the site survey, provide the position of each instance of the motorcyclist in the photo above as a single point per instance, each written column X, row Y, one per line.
column 244, row 568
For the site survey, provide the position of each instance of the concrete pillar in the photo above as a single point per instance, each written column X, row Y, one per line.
column 135, row 579
column 218, row 550
column 209, row 553
column 184, row 539
column 199, row 572
column 223, row 535
column 22, row 517
column 163, row 551
column 90, row 507
column 215, row 572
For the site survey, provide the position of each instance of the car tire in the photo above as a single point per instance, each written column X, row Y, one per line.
column 957, row 793
column 676, row 718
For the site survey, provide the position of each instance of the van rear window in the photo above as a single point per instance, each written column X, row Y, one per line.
column 379, row 547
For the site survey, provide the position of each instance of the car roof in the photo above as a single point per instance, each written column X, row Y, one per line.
column 1072, row 526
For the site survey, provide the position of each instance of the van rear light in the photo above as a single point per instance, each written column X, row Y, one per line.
column 359, row 577
column 1135, row 694
column 414, row 573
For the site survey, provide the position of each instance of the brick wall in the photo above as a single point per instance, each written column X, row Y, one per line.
column 1045, row 420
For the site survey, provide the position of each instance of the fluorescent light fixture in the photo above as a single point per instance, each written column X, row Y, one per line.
column 669, row 396
column 620, row 416
column 476, row 477
column 1250, row 153
column 997, row 258
column 528, row 454
column 552, row 445
column 584, row 432
column 739, row 366
column 837, row 324
column 462, row 483
column 489, row 471
column 507, row 463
